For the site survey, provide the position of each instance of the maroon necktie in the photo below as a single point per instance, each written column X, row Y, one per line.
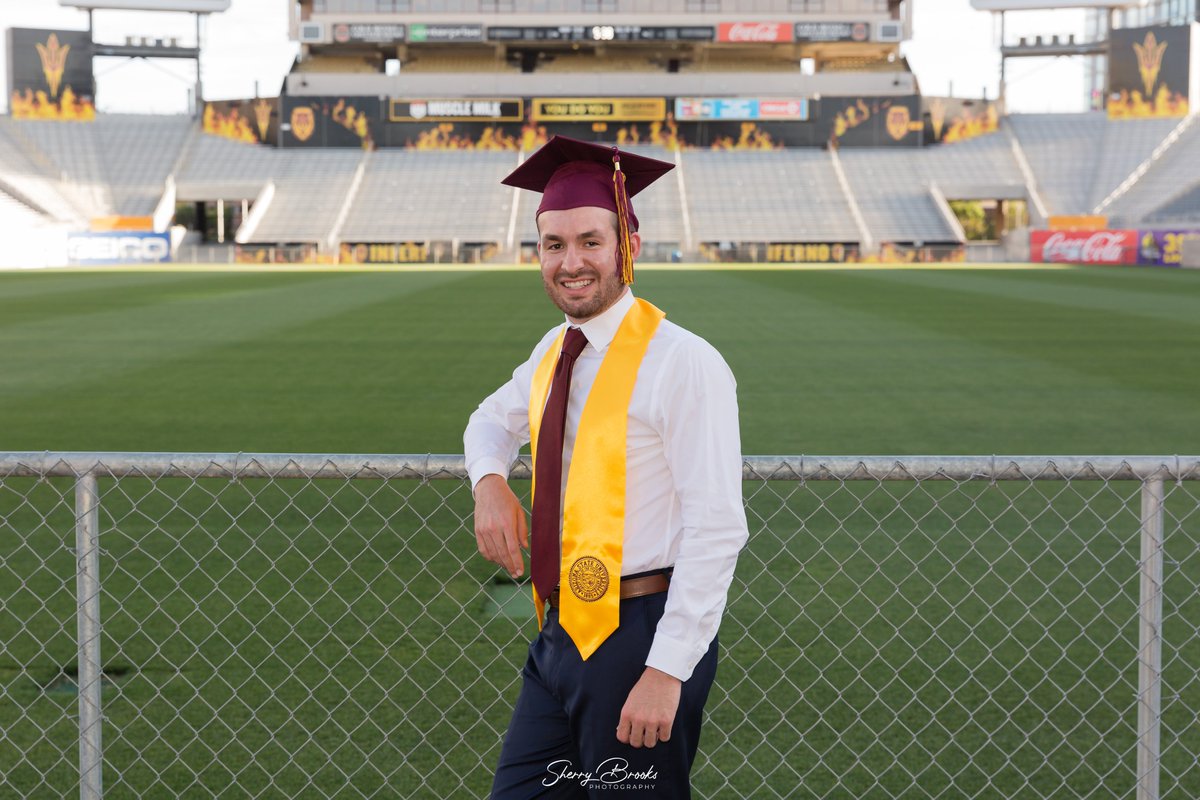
column 547, row 469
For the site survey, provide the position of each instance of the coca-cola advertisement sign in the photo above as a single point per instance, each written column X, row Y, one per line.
column 1083, row 247
column 755, row 32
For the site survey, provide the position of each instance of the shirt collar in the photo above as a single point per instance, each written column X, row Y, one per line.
column 600, row 329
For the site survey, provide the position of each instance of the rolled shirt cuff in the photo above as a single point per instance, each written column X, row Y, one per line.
column 486, row 465
column 673, row 657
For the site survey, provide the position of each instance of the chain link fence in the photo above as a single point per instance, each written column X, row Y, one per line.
column 183, row 625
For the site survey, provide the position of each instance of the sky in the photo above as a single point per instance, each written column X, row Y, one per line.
column 953, row 51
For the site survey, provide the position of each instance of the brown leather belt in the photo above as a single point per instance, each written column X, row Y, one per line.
column 633, row 587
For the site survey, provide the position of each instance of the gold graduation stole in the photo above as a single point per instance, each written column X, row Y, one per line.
column 593, row 534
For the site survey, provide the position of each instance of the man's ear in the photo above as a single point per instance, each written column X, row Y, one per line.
column 635, row 244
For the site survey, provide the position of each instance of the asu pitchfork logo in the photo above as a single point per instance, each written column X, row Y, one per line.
column 54, row 61
column 1149, row 57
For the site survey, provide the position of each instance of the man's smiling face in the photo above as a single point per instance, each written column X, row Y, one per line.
column 578, row 251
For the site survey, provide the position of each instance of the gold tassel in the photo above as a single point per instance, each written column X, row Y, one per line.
column 624, row 245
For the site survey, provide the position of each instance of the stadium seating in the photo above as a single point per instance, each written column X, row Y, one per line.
column 893, row 195
column 73, row 152
column 28, row 175
column 1079, row 159
column 310, row 189
column 138, row 152
column 409, row 195
column 217, row 168
column 116, row 164
column 1162, row 193
column 1183, row 209
column 66, row 173
column 771, row 195
column 980, row 167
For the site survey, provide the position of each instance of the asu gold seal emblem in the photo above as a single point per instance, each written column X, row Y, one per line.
column 588, row 579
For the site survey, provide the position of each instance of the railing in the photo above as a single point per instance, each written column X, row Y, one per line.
column 321, row 625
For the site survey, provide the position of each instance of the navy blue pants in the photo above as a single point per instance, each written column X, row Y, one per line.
column 562, row 741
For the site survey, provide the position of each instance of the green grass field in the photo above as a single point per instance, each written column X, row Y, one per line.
column 839, row 361
column 277, row 638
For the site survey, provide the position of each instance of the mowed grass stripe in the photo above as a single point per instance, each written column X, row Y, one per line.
column 1173, row 302
column 124, row 335
column 836, row 362
column 851, row 361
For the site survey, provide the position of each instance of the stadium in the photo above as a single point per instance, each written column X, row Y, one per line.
column 236, row 340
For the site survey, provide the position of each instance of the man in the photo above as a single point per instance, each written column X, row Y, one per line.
column 637, row 509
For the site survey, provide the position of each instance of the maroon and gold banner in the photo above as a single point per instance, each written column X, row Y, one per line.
column 330, row 121
column 953, row 119
column 831, row 253
column 50, row 74
column 251, row 121
column 871, row 121
column 1148, row 72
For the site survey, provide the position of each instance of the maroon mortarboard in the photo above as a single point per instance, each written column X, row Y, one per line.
column 572, row 174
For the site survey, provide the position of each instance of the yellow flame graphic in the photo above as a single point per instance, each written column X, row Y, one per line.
column 262, row 115
column 54, row 61
column 1149, row 56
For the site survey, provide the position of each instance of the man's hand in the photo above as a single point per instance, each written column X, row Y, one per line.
column 649, row 712
column 500, row 528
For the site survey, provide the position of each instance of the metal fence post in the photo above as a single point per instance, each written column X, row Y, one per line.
column 87, row 560
column 1150, row 640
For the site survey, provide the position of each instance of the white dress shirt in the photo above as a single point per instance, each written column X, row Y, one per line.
column 683, row 488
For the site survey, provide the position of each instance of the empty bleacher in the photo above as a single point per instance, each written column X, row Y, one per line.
column 73, row 151
column 64, row 173
column 138, row 153
column 310, row 189
column 1182, row 210
column 980, row 168
column 1169, row 178
column 1062, row 150
column 219, row 168
column 770, row 195
column 116, row 164
column 410, row 195
column 893, row 194
column 29, row 176
column 1079, row 159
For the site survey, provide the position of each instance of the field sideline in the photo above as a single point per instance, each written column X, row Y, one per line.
column 857, row 360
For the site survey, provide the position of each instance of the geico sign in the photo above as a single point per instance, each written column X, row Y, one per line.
column 118, row 248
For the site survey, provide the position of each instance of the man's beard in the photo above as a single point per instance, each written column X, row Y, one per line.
column 608, row 291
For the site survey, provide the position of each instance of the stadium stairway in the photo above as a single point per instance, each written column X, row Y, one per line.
column 1160, row 194
column 1079, row 159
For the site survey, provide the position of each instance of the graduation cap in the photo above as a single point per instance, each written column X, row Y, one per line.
column 572, row 174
